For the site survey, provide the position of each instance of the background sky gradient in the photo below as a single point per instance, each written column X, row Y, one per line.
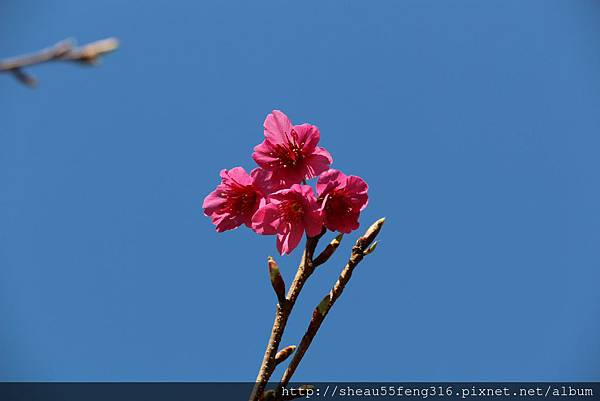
column 476, row 125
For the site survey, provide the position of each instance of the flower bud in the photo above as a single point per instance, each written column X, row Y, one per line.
column 328, row 251
column 276, row 280
column 371, row 233
column 284, row 354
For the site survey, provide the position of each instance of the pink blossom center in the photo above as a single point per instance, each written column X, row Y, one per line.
column 337, row 203
column 289, row 154
column 241, row 199
column 291, row 211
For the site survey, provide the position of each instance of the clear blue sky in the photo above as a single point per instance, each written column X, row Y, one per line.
column 476, row 125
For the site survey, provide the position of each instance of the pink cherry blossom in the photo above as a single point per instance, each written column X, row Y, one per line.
column 237, row 197
column 289, row 213
column 291, row 151
column 342, row 198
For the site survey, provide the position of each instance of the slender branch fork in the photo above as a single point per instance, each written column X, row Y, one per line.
column 65, row 50
column 364, row 246
column 284, row 309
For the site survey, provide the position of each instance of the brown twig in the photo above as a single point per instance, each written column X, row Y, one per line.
column 328, row 251
column 362, row 248
column 284, row 309
column 284, row 354
column 65, row 50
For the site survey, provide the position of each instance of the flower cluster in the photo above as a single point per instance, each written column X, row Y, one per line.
column 274, row 198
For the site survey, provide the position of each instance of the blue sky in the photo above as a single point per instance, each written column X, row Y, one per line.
column 474, row 123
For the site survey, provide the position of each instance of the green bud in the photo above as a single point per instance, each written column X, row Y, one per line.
column 323, row 306
column 371, row 248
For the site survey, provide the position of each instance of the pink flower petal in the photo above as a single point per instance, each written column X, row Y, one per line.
column 342, row 199
column 290, row 176
column 305, row 190
column 277, row 127
column 266, row 219
column 263, row 155
column 289, row 239
column 291, row 152
column 313, row 221
column 357, row 190
column 343, row 223
column 213, row 202
column 356, row 184
column 239, row 175
column 263, row 180
column 318, row 162
column 328, row 180
column 234, row 201
column 225, row 222
column 308, row 137
column 282, row 194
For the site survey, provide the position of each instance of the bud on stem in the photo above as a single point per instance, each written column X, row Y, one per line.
column 328, row 251
column 371, row 248
column 324, row 305
column 284, row 354
column 371, row 233
column 276, row 280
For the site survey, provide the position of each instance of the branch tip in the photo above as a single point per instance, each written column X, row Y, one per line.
column 276, row 280
column 284, row 354
column 329, row 250
column 64, row 50
column 371, row 233
column 24, row 77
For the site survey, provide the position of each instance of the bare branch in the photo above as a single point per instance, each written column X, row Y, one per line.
column 359, row 251
column 65, row 50
column 284, row 309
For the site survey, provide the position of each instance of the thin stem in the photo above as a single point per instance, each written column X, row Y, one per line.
column 62, row 51
column 359, row 251
column 284, row 309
